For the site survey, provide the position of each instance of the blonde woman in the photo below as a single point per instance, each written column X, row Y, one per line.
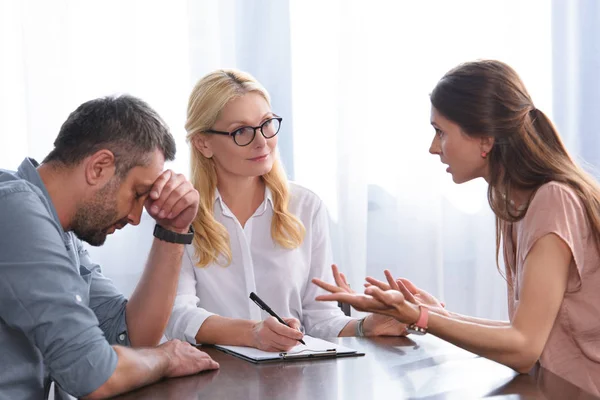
column 254, row 231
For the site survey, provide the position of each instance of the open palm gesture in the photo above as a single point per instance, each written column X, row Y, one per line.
column 411, row 293
column 384, row 303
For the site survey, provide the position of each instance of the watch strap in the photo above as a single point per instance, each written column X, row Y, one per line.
column 420, row 327
column 173, row 237
column 359, row 331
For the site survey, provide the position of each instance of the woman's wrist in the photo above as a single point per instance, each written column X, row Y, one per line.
column 367, row 325
column 441, row 311
column 411, row 313
column 250, row 333
column 359, row 328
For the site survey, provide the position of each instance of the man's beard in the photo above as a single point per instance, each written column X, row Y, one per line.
column 93, row 219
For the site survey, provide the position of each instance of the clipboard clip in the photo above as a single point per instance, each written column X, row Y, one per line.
column 301, row 354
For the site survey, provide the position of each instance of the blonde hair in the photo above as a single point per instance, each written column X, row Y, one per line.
column 207, row 100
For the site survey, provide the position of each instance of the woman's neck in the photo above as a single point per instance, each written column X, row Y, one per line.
column 518, row 198
column 243, row 195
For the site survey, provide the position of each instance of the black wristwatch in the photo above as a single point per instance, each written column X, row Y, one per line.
column 173, row 237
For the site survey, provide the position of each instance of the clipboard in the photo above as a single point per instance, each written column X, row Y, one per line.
column 314, row 349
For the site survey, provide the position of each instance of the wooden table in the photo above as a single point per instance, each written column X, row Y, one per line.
column 396, row 368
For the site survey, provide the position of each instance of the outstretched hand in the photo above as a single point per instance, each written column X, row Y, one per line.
column 389, row 303
column 410, row 292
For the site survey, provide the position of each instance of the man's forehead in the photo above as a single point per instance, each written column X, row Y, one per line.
column 147, row 174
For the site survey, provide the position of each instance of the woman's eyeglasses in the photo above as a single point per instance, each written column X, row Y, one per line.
column 245, row 135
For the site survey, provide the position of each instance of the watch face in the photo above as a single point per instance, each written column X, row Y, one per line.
column 416, row 330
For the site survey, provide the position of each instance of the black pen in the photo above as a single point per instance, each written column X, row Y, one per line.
column 265, row 307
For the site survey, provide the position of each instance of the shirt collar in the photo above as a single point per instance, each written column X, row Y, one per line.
column 268, row 199
column 259, row 211
column 28, row 171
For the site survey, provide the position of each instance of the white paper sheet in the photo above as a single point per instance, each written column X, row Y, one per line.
column 313, row 346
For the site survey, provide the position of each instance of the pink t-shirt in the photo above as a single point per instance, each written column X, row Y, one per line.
column 573, row 347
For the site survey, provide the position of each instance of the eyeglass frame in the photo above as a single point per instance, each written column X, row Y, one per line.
column 254, row 128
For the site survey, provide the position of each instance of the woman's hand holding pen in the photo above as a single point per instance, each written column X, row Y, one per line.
column 271, row 335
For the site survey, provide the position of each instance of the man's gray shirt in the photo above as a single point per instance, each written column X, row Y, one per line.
column 58, row 313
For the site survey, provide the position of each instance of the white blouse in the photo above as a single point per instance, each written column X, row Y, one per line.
column 280, row 277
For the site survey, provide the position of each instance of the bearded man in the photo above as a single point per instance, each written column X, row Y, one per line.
column 61, row 320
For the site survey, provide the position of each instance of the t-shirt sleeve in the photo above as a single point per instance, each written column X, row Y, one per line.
column 556, row 209
column 41, row 295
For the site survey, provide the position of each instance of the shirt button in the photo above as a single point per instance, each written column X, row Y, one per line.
column 78, row 298
column 122, row 337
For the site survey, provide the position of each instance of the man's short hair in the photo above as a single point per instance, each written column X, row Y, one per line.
column 125, row 125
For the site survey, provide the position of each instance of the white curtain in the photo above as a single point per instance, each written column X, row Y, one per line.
column 351, row 79
column 576, row 65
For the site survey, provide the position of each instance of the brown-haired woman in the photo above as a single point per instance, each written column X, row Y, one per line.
column 548, row 227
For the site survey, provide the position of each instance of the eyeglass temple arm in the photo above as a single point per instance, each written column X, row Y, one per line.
column 219, row 132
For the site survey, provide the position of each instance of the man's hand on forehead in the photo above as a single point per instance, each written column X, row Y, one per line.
column 173, row 202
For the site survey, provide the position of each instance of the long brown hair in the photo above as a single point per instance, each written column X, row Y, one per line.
column 488, row 99
column 207, row 99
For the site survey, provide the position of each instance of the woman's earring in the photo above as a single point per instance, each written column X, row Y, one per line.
column 484, row 154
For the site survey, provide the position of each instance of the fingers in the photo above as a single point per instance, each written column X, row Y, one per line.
column 406, row 293
column 204, row 362
column 173, row 201
column 181, row 203
column 344, row 279
column 339, row 278
column 393, row 284
column 268, row 339
column 338, row 296
column 180, row 196
column 327, row 286
column 185, row 359
column 159, row 184
column 409, row 285
column 175, row 185
column 208, row 364
column 373, row 290
column 391, row 280
column 359, row 301
column 293, row 323
column 391, row 298
column 282, row 344
column 346, row 284
column 376, row 282
column 288, row 334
